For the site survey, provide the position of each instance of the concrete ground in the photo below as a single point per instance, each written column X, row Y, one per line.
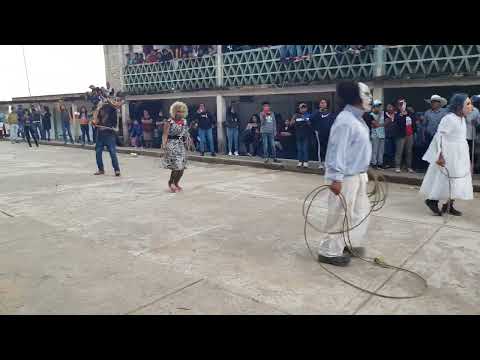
column 231, row 243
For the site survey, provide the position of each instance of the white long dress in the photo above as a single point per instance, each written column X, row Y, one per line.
column 450, row 139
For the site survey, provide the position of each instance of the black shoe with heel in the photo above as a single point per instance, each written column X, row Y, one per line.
column 433, row 205
column 452, row 210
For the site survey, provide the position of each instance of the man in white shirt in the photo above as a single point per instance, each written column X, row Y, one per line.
column 348, row 157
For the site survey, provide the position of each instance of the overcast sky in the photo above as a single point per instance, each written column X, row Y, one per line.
column 52, row 69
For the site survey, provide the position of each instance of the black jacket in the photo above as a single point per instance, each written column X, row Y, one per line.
column 205, row 120
column 322, row 122
column 232, row 120
column 399, row 127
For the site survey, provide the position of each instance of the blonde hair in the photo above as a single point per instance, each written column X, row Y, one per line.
column 176, row 106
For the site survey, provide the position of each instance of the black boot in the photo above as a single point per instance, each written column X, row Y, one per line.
column 452, row 210
column 343, row 260
column 433, row 205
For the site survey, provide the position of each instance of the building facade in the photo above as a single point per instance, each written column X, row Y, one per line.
column 246, row 78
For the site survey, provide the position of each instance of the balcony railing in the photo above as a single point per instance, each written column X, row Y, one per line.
column 189, row 74
column 426, row 61
column 263, row 67
column 326, row 64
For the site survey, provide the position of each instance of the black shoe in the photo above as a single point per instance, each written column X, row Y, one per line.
column 343, row 260
column 276, row 160
column 452, row 211
column 213, row 154
column 433, row 205
column 357, row 251
column 202, row 154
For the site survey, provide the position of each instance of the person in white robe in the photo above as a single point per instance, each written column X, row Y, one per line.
column 449, row 176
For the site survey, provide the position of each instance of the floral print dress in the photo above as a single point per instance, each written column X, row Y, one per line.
column 175, row 152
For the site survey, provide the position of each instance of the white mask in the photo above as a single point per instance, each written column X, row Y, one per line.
column 366, row 96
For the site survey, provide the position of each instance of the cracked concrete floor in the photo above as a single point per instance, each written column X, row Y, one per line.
column 231, row 243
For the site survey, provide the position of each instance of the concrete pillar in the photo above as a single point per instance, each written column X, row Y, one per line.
column 219, row 71
column 380, row 57
column 125, row 119
column 221, row 115
column 122, row 60
column 378, row 94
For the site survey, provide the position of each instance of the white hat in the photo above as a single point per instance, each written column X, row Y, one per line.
column 442, row 100
column 377, row 103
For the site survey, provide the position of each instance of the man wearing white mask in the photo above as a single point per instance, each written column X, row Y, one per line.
column 348, row 157
column 448, row 176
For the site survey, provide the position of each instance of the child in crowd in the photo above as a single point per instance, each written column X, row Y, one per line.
column 136, row 134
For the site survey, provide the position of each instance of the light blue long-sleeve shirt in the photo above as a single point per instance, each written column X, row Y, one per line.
column 349, row 149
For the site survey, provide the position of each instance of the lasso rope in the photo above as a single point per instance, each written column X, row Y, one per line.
column 377, row 199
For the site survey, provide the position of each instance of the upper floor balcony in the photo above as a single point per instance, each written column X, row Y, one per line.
column 325, row 64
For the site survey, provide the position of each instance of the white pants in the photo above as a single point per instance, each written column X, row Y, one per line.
column 13, row 132
column 354, row 189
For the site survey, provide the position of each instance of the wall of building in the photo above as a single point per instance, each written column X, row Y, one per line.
column 114, row 64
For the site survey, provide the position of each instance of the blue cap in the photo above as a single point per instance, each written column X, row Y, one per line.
column 475, row 98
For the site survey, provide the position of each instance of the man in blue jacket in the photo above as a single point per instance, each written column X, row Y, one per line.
column 322, row 121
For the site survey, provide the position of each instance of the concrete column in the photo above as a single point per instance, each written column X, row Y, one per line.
column 122, row 60
column 380, row 57
column 219, row 71
column 378, row 94
column 125, row 119
column 221, row 115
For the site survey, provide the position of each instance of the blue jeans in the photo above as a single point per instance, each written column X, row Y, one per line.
column 94, row 133
column 389, row 154
column 106, row 138
column 206, row 134
column 37, row 129
column 302, row 149
column 65, row 129
column 85, row 132
column 267, row 140
column 232, row 136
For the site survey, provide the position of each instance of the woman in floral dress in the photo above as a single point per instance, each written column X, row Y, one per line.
column 174, row 142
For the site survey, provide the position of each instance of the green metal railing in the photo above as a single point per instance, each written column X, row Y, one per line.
column 326, row 64
column 188, row 74
column 425, row 61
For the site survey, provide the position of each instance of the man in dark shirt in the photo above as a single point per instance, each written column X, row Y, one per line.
column 36, row 121
column 106, row 123
column 21, row 121
column 205, row 132
column 322, row 121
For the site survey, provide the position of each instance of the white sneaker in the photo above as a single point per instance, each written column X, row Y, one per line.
column 321, row 167
column 299, row 164
column 397, row 170
column 411, row 171
column 236, row 153
column 305, row 164
column 229, row 153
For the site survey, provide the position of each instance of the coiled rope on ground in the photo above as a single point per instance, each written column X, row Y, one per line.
column 377, row 198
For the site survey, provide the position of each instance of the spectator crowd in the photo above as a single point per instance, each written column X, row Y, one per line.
column 399, row 134
column 288, row 53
